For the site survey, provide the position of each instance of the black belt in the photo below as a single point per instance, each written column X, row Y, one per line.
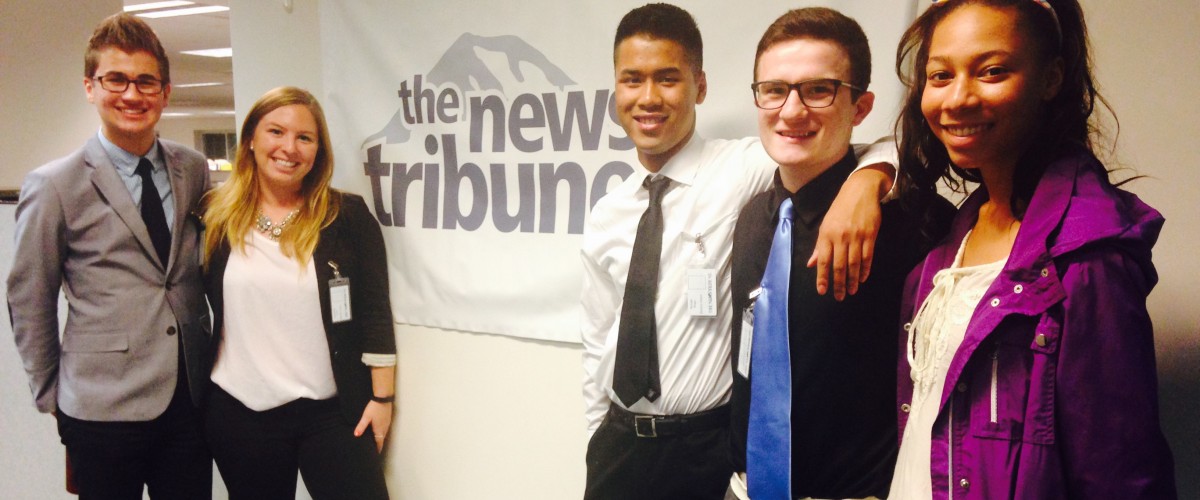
column 653, row 426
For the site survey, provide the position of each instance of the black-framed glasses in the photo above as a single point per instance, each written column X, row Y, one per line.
column 816, row 93
column 118, row 83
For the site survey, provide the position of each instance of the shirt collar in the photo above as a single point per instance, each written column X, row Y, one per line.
column 126, row 162
column 813, row 199
column 683, row 167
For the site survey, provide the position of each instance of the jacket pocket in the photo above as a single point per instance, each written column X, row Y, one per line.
column 95, row 342
column 1013, row 381
column 1001, row 386
column 1044, row 373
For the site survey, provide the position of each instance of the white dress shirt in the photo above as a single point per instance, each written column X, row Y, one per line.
column 711, row 180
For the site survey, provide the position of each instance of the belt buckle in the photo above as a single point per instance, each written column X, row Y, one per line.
column 641, row 422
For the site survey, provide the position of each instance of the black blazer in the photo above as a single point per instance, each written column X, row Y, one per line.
column 355, row 243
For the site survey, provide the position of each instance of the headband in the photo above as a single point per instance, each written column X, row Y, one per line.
column 1043, row 3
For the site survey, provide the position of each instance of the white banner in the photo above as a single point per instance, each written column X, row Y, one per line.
column 481, row 133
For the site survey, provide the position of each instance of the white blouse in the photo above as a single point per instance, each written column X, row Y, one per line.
column 933, row 337
column 273, row 348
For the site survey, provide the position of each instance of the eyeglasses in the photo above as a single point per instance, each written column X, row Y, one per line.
column 818, row 93
column 118, row 83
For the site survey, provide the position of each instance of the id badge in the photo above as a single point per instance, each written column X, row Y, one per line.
column 702, row 292
column 747, row 340
column 339, row 296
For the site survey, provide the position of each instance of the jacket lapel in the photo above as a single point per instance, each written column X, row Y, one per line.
column 322, row 255
column 1022, row 268
column 214, row 277
column 182, row 197
column 110, row 186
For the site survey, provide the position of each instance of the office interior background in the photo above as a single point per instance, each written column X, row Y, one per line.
column 490, row 416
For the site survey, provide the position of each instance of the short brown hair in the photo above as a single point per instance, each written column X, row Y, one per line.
column 820, row 23
column 129, row 34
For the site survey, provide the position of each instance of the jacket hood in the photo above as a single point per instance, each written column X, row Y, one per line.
column 1094, row 212
column 1073, row 207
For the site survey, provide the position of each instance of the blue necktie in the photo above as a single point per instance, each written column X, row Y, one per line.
column 769, row 438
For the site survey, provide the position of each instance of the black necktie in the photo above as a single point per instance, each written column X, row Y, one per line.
column 152, row 213
column 636, row 372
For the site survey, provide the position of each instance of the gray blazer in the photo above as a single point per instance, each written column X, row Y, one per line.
column 78, row 229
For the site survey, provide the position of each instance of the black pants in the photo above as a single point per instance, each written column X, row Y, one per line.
column 259, row 453
column 622, row 466
column 113, row 460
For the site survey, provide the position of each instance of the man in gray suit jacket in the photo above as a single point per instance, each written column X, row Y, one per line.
column 113, row 225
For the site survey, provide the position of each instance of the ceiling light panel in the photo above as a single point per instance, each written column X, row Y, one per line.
column 155, row 5
column 187, row 11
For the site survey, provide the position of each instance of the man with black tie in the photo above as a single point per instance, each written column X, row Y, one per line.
column 114, row 226
column 656, row 256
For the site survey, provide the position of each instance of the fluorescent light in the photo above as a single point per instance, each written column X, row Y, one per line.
column 195, row 85
column 184, row 12
column 155, row 5
column 197, row 113
column 225, row 52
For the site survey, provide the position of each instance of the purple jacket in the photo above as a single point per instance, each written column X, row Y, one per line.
column 1053, row 392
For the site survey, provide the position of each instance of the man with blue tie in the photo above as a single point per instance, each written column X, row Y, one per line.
column 113, row 226
column 814, row 379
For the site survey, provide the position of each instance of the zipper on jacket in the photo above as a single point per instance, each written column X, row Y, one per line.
column 950, row 451
column 995, row 370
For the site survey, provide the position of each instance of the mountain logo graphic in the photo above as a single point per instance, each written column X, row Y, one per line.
column 494, row 120
column 462, row 67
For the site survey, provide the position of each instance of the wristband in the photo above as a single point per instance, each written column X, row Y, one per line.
column 383, row 399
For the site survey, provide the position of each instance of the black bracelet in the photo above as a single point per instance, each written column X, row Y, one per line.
column 379, row 399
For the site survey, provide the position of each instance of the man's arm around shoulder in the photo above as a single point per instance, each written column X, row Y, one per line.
column 846, row 241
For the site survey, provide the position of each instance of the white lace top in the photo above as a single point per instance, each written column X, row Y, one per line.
column 933, row 337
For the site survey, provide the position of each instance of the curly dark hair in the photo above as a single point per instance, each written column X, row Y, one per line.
column 1066, row 119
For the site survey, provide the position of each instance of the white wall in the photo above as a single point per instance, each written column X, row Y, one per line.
column 44, row 108
column 1144, row 55
column 483, row 416
column 273, row 47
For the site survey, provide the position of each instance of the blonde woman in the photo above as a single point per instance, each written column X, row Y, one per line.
column 296, row 273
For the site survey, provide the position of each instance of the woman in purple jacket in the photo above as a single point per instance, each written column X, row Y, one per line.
column 1030, row 366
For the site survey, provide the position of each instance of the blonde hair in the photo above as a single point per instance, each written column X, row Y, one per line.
column 231, row 210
